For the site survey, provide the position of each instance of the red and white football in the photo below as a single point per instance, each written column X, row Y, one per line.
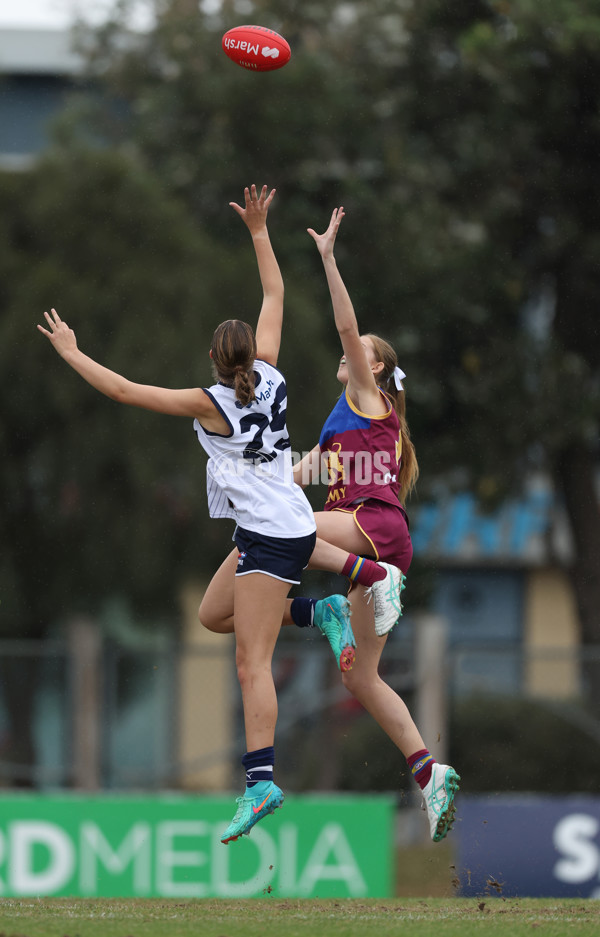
column 256, row 47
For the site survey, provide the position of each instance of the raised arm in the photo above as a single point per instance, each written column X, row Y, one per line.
column 270, row 320
column 191, row 403
column 362, row 385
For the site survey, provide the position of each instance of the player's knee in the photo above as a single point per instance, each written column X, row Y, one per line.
column 203, row 618
column 350, row 681
column 242, row 673
column 208, row 621
column 245, row 671
column 356, row 683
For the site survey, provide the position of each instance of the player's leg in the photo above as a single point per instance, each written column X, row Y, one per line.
column 332, row 617
column 267, row 568
column 216, row 608
column 259, row 604
column 337, row 529
column 386, row 529
column 334, row 533
column 337, row 532
column 365, row 684
column 438, row 783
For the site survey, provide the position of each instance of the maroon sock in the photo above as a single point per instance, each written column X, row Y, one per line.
column 420, row 765
column 366, row 572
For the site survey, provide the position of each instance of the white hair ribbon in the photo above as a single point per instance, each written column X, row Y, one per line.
column 399, row 375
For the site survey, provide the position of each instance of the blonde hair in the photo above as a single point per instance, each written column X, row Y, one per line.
column 233, row 350
column 409, row 467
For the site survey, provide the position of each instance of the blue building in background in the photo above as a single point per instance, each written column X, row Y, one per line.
column 502, row 583
column 38, row 69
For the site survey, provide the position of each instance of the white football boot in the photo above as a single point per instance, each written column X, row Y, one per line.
column 386, row 599
column 438, row 800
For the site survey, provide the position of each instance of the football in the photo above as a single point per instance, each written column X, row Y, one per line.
column 256, row 48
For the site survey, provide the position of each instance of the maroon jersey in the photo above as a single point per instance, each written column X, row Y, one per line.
column 363, row 454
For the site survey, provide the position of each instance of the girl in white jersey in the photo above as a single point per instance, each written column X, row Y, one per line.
column 241, row 423
column 367, row 365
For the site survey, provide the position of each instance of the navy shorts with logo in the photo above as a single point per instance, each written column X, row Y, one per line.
column 279, row 557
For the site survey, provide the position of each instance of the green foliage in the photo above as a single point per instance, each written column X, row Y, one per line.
column 462, row 141
column 98, row 499
column 370, row 761
column 522, row 745
column 510, row 99
column 496, row 744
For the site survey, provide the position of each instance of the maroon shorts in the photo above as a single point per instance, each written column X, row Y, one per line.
column 386, row 526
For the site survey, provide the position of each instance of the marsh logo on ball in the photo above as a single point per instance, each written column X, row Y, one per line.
column 256, row 48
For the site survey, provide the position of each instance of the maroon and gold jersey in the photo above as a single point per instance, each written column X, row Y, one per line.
column 363, row 454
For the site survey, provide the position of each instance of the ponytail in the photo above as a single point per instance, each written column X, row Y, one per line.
column 409, row 467
column 233, row 351
column 243, row 385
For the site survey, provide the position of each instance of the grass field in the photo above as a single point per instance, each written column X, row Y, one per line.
column 427, row 871
column 272, row 917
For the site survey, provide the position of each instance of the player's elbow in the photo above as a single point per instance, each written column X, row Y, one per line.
column 274, row 295
column 123, row 392
column 118, row 394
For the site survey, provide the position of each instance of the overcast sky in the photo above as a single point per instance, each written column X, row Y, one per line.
column 52, row 13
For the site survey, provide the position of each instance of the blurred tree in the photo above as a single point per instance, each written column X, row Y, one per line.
column 505, row 104
column 461, row 139
column 98, row 500
column 87, row 485
column 102, row 501
column 463, row 142
column 529, row 730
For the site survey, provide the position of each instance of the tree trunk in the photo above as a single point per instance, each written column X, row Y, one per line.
column 576, row 469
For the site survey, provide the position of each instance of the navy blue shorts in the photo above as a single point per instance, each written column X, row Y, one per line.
column 279, row 557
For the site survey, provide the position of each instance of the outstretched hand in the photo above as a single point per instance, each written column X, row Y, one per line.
column 326, row 240
column 61, row 336
column 254, row 215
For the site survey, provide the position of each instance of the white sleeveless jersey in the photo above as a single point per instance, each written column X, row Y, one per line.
column 249, row 472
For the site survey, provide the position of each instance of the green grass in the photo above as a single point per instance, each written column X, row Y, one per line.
column 425, row 905
column 273, row 917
